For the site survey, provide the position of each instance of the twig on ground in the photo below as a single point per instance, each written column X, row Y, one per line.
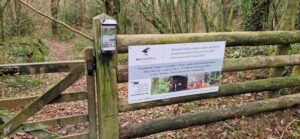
column 290, row 123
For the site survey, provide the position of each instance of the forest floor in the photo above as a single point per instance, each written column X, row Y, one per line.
column 273, row 125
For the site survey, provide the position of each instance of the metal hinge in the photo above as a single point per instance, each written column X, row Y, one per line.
column 9, row 71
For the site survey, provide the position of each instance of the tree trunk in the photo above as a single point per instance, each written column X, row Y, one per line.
column 257, row 19
column 229, row 26
column 12, row 18
column 186, row 16
column 176, row 20
column 112, row 8
column 18, row 17
column 195, row 15
column 225, row 14
column 54, row 14
column 298, row 17
column 287, row 23
column 2, row 7
column 170, row 16
column 164, row 12
column 153, row 18
column 204, row 16
column 296, row 69
column 1, row 26
column 80, row 4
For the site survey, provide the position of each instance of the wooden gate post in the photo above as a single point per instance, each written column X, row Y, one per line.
column 90, row 82
column 106, row 86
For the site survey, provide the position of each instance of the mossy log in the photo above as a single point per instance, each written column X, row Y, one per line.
column 200, row 118
column 224, row 90
column 249, row 63
column 231, row 38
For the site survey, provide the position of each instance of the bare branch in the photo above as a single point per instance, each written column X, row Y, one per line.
column 59, row 22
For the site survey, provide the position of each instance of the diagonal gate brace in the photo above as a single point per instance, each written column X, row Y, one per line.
column 41, row 101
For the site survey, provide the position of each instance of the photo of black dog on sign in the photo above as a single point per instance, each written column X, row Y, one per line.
column 177, row 83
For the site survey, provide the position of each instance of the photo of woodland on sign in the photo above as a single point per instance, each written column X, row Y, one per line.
column 173, row 70
column 177, row 83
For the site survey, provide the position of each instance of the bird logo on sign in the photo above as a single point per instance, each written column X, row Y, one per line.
column 145, row 51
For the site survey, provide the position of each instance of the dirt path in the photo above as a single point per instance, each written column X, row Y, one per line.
column 58, row 50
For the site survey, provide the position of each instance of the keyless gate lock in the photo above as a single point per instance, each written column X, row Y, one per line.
column 107, row 40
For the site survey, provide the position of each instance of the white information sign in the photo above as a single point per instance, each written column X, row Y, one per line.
column 173, row 70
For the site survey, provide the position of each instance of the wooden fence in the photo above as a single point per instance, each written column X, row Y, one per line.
column 245, row 39
column 108, row 74
column 232, row 39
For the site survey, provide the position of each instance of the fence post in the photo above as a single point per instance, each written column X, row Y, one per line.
column 106, row 86
column 90, row 82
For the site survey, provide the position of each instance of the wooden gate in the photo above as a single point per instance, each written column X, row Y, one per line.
column 76, row 70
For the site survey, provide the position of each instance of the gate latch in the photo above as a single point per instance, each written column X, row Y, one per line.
column 91, row 66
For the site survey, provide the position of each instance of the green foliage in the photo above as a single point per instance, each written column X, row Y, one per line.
column 80, row 44
column 65, row 34
column 71, row 11
column 294, row 49
column 78, row 48
column 19, row 81
column 4, row 56
column 19, row 51
column 212, row 77
column 37, row 57
column 27, row 25
column 255, row 14
column 296, row 126
column 239, row 52
column 24, row 49
column 234, row 54
column 160, row 85
column 123, row 59
column 5, row 115
column 69, row 14
column 94, row 9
